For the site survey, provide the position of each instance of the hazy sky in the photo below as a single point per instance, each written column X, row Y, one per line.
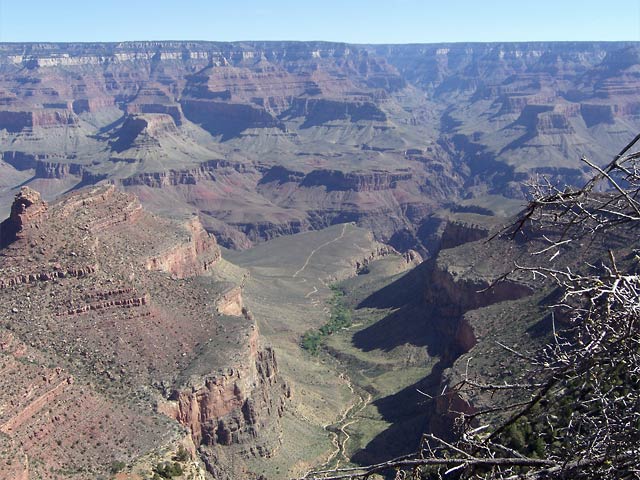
column 356, row 21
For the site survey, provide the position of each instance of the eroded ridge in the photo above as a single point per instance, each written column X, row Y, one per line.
column 112, row 316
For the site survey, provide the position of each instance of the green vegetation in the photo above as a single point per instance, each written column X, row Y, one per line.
column 182, row 455
column 340, row 318
column 117, row 466
column 534, row 435
column 525, row 437
column 167, row 470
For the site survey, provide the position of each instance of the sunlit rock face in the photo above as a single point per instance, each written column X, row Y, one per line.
column 116, row 326
column 262, row 139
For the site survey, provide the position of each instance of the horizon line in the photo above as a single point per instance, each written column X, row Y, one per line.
column 337, row 42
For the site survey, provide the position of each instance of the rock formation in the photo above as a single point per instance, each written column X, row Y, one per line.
column 25, row 210
column 451, row 307
column 110, row 316
column 262, row 139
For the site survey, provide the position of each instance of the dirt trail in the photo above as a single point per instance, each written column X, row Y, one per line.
column 337, row 430
column 306, row 263
column 363, row 404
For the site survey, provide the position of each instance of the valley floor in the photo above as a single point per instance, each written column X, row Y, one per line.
column 344, row 396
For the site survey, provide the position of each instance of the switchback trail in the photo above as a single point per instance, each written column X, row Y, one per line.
column 338, row 429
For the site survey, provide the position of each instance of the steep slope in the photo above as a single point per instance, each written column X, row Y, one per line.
column 470, row 322
column 117, row 336
column 409, row 329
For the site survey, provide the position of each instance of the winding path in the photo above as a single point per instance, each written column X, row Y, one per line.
column 339, row 427
column 363, row 405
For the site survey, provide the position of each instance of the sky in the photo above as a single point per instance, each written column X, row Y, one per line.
column 352, row 21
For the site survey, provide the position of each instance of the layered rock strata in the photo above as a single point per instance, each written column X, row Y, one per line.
column 121, row 305
column 262, row 139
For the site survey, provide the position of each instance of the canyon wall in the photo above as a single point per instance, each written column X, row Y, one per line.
column 115, row 311
column 235, row 407
column 262, row 139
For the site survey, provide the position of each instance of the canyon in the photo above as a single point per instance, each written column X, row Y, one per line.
column 180, row 214
column 118, row 336
column 262, row 139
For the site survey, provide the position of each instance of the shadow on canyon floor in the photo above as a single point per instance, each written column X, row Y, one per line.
column 409, row 411
column 413, row 322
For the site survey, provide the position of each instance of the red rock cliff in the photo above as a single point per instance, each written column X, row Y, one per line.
column 238, row 406
column 194, row 257
column 26, row 209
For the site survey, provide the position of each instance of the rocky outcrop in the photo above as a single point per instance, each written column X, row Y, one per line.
column 31, row 278
column 238, row 406
column 546, row 119
column 317, row 111
column 163, row 179
column 174, row 111
column 91, row 105
column 119, row 210
column 452, row 294
column 336, row 180
column 230, row 303
column 412, row 258
column 228, row 119
column 257, row 231
column 58, row 170
column 194, row 257
column 123, row 299
column 280, row 175
column 26, row 209
column 458, row 232
column 206, row 171
column 52, row 166
column 515, row 103
column 127, row 302
column 357, row 182
column 55, row 391
column 379, row 252
column 140, row 130
column 449, row 298
column 17, row 121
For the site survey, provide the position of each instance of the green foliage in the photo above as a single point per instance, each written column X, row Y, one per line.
column 545, row 429
column 116, row 466
column 530, row 435
column 311, row 341
column 340, row 318
column 182, row 455
column 516, row 437
column 167, row 470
